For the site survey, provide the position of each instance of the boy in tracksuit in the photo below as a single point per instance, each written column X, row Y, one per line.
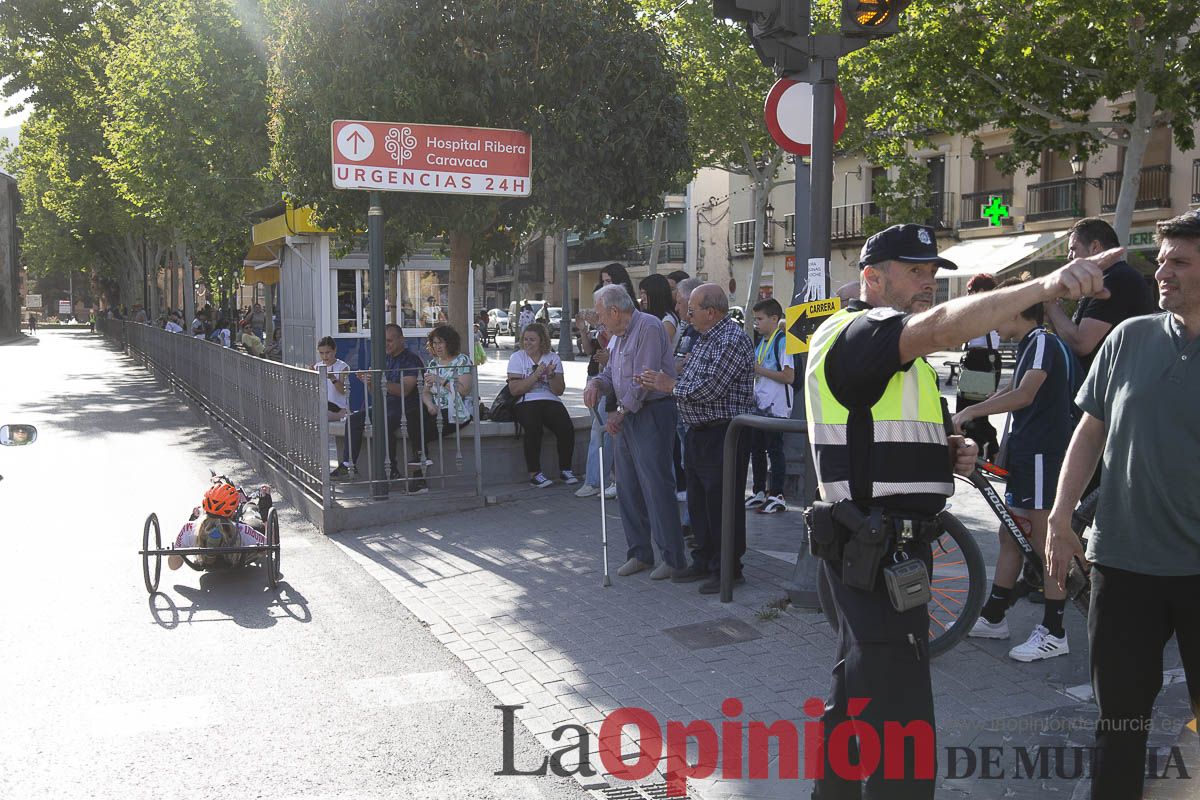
column 1040, row 398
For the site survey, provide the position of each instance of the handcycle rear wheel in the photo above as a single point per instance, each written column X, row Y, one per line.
column 151, row 582
column 273, row 555
column 957, row 585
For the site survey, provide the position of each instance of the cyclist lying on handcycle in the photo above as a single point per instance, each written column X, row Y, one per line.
column 230, row 518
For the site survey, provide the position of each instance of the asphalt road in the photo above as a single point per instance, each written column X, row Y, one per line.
column 216, row 687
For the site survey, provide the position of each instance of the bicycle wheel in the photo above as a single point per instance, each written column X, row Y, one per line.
column 1079, row 584
column 151, row 582
column 273, row 555
column 958, row 586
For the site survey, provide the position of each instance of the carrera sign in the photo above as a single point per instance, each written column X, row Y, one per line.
column 444, row 159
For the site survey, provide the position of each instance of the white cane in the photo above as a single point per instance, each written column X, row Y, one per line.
column 603, row 513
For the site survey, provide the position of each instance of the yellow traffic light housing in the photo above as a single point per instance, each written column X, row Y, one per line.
column 871, row 19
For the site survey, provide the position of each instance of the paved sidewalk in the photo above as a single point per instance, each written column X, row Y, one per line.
column 515, row 592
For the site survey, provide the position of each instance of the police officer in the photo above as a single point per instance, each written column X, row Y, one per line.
column 884, row 470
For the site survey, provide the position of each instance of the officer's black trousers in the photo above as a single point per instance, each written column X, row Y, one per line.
column 878, row 663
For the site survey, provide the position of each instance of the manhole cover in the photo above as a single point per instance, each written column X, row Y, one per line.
column 656, row 791
column 714, row 633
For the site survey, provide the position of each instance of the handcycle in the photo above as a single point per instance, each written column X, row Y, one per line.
column 958, row 581
column 201, row 559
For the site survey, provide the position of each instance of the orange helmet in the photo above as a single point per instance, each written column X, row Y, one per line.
column 221, row 500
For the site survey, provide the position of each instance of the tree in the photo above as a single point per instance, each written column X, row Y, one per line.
column 582, row 77
column 187, row 130
column 723, row 84
column 1036, row 68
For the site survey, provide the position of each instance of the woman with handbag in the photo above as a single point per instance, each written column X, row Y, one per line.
column 979, row 376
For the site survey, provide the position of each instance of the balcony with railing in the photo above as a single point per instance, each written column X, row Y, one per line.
column 1054, row 200
column 743, row 237
column 973, row 204
column 1154, row 190
column 789, row 230
column 668, row 252
column 846, row 222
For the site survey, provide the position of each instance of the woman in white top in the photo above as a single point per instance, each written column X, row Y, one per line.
column 337, row 389
column 536, row 380
column 657, row 301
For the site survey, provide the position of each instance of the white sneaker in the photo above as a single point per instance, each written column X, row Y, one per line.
column 540, row 481
column 757, row 501
column 661, row 571
column 568, row 477
column 587, row 490
column 990, row 630
column 1040, row 645
column 610, row 493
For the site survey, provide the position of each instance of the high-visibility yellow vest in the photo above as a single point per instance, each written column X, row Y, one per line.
column 908, row 450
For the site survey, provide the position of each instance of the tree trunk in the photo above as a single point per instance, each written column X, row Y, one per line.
column 760, row 196
column 1135, row 153
column 460, row 259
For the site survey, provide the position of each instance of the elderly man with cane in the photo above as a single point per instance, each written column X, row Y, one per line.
column 642, row 426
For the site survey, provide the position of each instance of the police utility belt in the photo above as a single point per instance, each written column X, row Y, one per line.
column 840, row 532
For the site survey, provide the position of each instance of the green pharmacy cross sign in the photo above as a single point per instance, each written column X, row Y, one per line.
column 995, row 211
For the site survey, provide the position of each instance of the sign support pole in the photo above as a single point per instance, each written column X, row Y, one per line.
column 566, row 349
column 379, row 433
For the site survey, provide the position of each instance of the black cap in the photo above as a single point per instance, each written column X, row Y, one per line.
column 916, row 243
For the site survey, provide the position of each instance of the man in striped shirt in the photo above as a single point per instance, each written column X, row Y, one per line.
column 717, row 384
column 1040, row 398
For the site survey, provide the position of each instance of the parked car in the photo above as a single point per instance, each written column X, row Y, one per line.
column 555, row 321
column 498, row 321
column 514, row 312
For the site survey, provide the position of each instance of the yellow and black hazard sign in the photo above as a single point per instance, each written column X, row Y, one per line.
column 803, row 319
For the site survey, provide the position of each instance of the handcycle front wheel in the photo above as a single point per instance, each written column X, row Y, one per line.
column 151, row 582
column 274, row 554
column 957, row 587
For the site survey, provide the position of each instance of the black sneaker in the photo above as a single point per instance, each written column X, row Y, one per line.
column 344, row 472
column 689, row 575
column 540, row 481
column 395, row 474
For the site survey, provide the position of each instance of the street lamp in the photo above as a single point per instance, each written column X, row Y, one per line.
column 1077, row 163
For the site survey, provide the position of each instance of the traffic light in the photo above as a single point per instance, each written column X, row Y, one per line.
column 778, row 29
column 871, row 19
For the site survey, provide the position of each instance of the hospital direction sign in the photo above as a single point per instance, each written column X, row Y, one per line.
column 442, row 159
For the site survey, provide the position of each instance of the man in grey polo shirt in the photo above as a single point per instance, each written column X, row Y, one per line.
column 1141, row 404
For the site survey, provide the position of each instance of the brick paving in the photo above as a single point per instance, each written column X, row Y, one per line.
column 514, row 591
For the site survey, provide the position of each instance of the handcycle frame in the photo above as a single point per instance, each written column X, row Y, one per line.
column 156, row 554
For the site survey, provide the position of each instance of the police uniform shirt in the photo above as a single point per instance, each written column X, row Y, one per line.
column 859, row 366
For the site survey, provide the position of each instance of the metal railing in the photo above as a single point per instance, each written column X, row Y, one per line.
column 1154, row 188
column 743, row 237
column 282, row 412
column 278, row 410
column 846, row 222
column 1054, row 199
column 667, row 252
column 1196, row 180
column 974, row 202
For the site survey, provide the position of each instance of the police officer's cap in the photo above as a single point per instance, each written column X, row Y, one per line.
column 914, row 243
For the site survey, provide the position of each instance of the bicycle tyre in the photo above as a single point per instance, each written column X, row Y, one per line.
column 1081, row 520
column 147, row 572
column 958, row 585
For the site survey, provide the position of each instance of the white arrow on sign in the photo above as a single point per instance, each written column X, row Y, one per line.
column 355, row 142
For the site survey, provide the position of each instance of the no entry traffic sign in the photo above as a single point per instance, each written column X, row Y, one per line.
column 443, row 159
column 788, row 111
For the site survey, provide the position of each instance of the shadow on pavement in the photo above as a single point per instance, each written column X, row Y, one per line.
column 237, row 595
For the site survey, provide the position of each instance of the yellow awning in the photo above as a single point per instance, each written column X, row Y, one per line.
column 291, row 222
column 266, row 274
column 260, row 254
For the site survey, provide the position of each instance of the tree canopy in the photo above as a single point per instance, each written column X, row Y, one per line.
column 1038, row 69
column 584, row 78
